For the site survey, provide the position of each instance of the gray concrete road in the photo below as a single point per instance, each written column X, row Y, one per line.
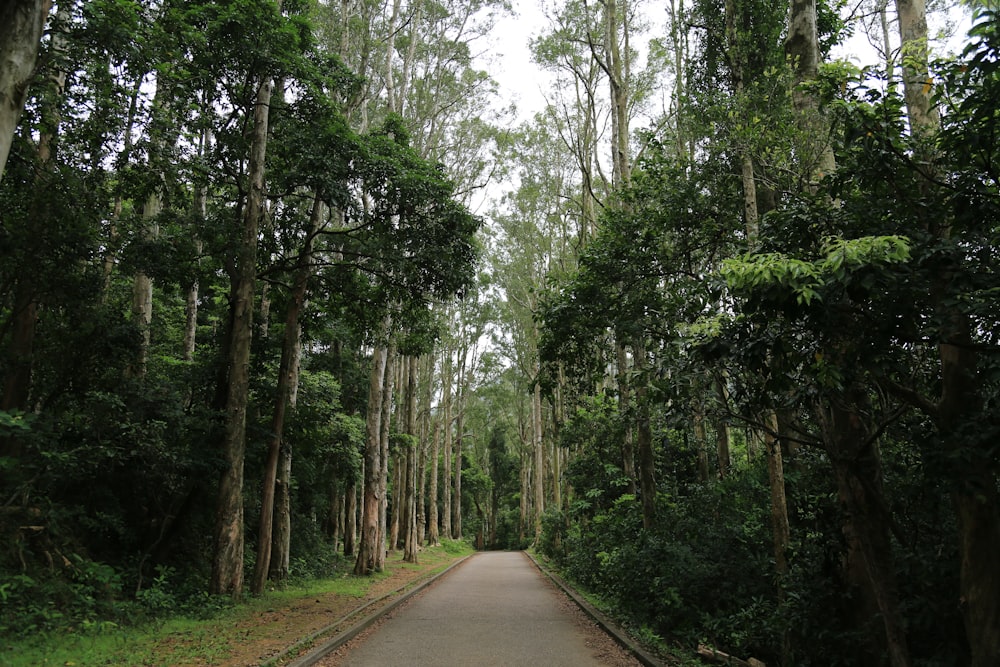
column 496, row 609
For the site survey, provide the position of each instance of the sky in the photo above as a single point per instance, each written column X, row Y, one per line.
column 520, row 80
column 523, row 82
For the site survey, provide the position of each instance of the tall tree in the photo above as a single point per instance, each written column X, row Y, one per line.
column 962, row 386
column 288, row 370
column 227, row 562
column 17, row 379
column 21, row 26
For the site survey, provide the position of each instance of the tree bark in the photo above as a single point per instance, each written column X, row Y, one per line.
column 857, row 469
column 538, row 447
column 383, row 481
column 350, row 518
column 624, row 398
column 977, row 504
column 701, row 441
column 368, row 546
column 779, row 508
column 524, row 480
column 446, row 380
column 281, row 537
column 21, row 26
column 722, row 435
column 432, row 520
column 780, row 531
column 425, row 436
column 924, row 119
column 21, row 348
column 142, row 288
column 275, row 500
column 802, row 47
column 410, row 542
column 227, row 561
column 644, row 440
column 456, row 499
column 961, row 402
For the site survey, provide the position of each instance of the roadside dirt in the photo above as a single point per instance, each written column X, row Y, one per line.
column 270, row 632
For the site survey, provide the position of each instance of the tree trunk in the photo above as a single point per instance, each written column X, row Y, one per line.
column 191, row 317
column 277, row 469
column 191, row 297
column 924, row 119
column 142, row 287
column 227, row 561
column 538, row 447
column 383, row 481
column 21, row 349
column 644, row 442
column 977, row 505
column 142, row 283
column 410, row 497
column 334, row 514
column 628, row 439
column 425, row 436
column 456, row 499
column 109, row 258
column 350, row 518
column 618, row 78
column 722, row 436
column 398, row 492
column 399, row 521
column 281, row 537
column 524, row 503
column 446, row 380
column 857, row 469
column 432, row 520
column 802, row 46
column 367, row 560
column 21, row 26
column 701, row 441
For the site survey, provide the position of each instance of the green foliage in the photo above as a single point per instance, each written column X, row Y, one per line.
column 455, row 547
column 805, row 279
column 847, row 293
column 667, row 578
column 598, row 430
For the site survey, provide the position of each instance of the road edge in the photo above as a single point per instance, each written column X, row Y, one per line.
column 315, row 655
column 600, row 618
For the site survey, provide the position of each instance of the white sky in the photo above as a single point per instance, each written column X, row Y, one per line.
column 520, row 79
column 525, row 83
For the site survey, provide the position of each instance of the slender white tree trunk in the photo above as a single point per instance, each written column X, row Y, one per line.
column 21, row 25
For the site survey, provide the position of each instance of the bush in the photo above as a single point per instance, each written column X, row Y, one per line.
column 699, row 574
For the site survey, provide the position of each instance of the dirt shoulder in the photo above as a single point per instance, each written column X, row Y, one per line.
column 265, row 633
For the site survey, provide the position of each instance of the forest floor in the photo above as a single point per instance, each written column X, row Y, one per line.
column 271, row 630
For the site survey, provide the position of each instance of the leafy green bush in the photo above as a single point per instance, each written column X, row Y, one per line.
column 698, row 574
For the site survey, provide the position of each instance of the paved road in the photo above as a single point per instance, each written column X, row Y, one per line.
column 495, row 609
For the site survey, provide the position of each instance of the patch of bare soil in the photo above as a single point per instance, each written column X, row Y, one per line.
column 271, row 632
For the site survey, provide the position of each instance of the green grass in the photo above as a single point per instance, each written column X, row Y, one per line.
column 193, row 641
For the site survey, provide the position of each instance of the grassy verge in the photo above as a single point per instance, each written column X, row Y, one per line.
column 212, row 640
